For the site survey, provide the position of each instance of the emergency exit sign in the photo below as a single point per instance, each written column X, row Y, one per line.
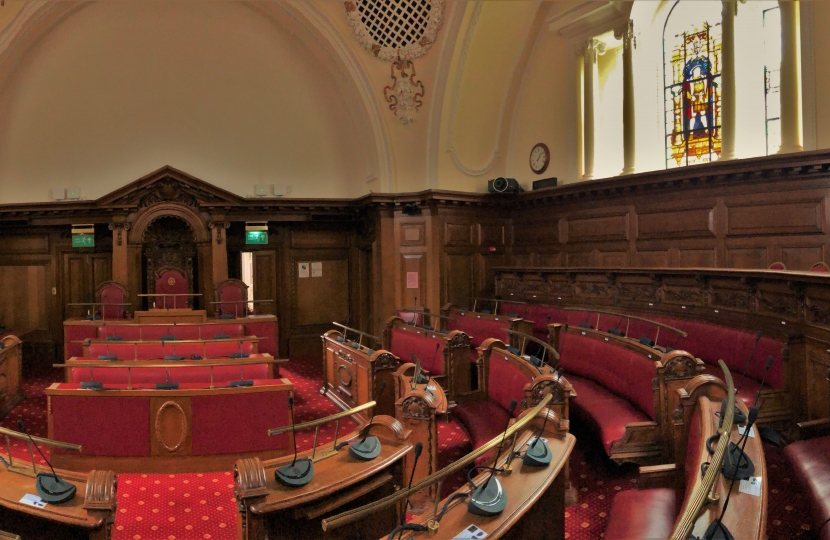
column 256, row 237
column 83, row 240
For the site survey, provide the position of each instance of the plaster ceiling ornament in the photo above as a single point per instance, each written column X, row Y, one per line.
column 405, row 93
column 395, row 29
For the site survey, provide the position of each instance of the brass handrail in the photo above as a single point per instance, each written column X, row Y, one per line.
column 40, row 440
column 136, row 364
column 349, row 516
column 687, row 522
column 324, row 420
column 630, row 317
column 547, row 346
column 350, row 329
column 175, row 341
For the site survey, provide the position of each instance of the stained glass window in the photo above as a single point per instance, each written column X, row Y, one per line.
column 692, row 76
column 772, row 78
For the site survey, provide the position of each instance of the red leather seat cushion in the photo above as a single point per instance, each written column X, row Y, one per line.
column 606, row 413
column 810, row 461
column 506, row 382
column 483, row 421
column 479, row 327
column 647, row 514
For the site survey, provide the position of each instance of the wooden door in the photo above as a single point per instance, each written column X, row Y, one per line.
column 81, row 275
column 265, row 280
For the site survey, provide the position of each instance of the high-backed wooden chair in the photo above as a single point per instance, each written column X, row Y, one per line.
column 171, row 280
column 231, row 295
column 111, row 292
column 820, row 267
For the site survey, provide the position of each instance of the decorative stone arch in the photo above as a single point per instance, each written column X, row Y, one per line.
column 194, row 220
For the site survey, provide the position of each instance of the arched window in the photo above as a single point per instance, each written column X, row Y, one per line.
column 772, row 78
column 692, row 79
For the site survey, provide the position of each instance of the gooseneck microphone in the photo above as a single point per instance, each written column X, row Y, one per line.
column 49, row 487
column 368, row 448
column 489, row 499
column 434, row 356
column 419, row 447
column 299, row 472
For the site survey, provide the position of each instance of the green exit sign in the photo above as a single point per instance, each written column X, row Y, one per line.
column 83, row 240
column 256, row 237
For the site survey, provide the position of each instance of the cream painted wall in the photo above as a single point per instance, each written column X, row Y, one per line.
column 120, row 89
column 821, row 37
column 540, row 113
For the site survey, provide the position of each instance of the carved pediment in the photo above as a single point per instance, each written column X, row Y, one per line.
column 169, row 185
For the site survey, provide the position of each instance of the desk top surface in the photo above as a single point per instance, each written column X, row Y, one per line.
column 524, row 486
column 82, row 321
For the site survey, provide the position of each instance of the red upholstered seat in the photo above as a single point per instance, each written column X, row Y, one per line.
column 810, row 461
column 151, row 376
column 479, row 327
column 157, row 351
column 749, row 388
column 111, row 292
column 483, row 421
column 171, row 281
column 647, row 514
column 233, row 292
column 604, row 412
column 153, row 332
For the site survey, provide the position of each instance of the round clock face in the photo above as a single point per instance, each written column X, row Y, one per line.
column 539, row 158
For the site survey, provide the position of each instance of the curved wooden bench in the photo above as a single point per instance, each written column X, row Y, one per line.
column 625, row 390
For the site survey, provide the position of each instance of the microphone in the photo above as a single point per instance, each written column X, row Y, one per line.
column 585, row 323
column 299, row 472
column 677, row 338
column 50, row 488
column 717, row 530
column 616, row 330
column 748, row 361
column 368, row 448
column 240, row 354
column 763, row 379
column 539, row 455
column 419, row 447
column 419, row 377
column 434, row 356
column 489, row 499
column 737, row 464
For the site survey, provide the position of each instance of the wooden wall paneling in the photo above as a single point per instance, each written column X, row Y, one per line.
column 651, row 259
column 411, row 234
column 818, row 388
column 802, row 257
column 319, row 238
column 777, row 217
column 413, row 264
column 36, row 244
column 698, row 258
column 748, row 258
column 614, row 259
column 605, row 225
column 458, row 278
column 669, row 221
column 25, row 298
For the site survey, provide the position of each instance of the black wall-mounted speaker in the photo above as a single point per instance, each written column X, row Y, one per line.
column 544, row 183
column 504, row 185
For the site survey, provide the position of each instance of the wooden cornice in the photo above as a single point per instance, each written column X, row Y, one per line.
column 170, row 182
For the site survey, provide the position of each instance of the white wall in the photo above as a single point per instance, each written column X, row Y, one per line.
column 120, row 89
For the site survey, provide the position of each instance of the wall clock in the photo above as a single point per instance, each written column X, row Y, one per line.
column 539, row 158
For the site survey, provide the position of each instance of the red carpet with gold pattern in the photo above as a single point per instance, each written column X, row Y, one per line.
column 202, row 506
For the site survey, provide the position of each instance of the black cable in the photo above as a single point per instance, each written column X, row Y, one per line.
column 406, row 527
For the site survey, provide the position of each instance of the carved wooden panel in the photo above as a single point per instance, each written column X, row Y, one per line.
column 531, row 232
column 321, row 300
column 747, row 258
column 697, row 258
column 548, row 259
column 265, row 280
column 651, row 259
column 319, row 238
column 614, row 259
column 457, row 234
column 25, row 298
column 676, row 224
column 170, row 427
column 459, row 276
column 598, row 229
column 491, row 234
column 414, row 263
column 413, row 234
column 801, row 258
column 777, row 218
column 26, row 244
column 579, row 259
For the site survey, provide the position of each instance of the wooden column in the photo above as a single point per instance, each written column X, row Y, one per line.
column 729, row 96
column 120, row 262
column 219, row 251
column 588, row 122
column 791, row 130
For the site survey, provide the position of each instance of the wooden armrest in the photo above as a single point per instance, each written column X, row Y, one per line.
column 658, row 476
column 813, row 429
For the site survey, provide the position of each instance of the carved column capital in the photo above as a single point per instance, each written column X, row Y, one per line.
column 120, row 227
column 625, row 32
column 219, row 226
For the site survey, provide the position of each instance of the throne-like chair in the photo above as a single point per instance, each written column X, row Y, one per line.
column 170, row 281
column 110, row 294
column 231, row 297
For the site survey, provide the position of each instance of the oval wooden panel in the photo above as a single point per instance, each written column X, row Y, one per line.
column 171, row 426
column 344, row 375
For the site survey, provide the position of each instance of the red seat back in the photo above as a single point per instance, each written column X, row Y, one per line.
column 505, row 382
column 171, row 281
column 479, row 327
column 426, row 345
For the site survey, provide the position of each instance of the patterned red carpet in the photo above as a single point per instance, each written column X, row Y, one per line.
column 202, row 506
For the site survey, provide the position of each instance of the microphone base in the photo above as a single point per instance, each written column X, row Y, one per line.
column 54, row 490
column 296, row 475
column 242, row 382
column 365, row 450
column 740, row 418
column 488, row 500
column 92, row 385
column 737, row 464
column 537, row 455
column 717, row 531
column 167, row 386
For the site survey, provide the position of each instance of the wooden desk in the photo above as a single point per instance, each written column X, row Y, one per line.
column 10, row 374
column 340, row 482
column 430, row 387
column 191, row 429
column 535, row 499
column 746, row 517
column 169, row 316
column 90, row 514
column 353, row 376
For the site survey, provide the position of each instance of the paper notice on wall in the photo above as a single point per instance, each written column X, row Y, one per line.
column 302, row 269
column 412, row 280
column 317, row 269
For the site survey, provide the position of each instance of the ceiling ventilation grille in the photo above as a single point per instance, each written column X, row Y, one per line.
column 395, row 29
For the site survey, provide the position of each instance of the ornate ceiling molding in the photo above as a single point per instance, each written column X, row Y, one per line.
column 387, row 26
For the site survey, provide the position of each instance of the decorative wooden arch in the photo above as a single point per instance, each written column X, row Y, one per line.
column 194, row 220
